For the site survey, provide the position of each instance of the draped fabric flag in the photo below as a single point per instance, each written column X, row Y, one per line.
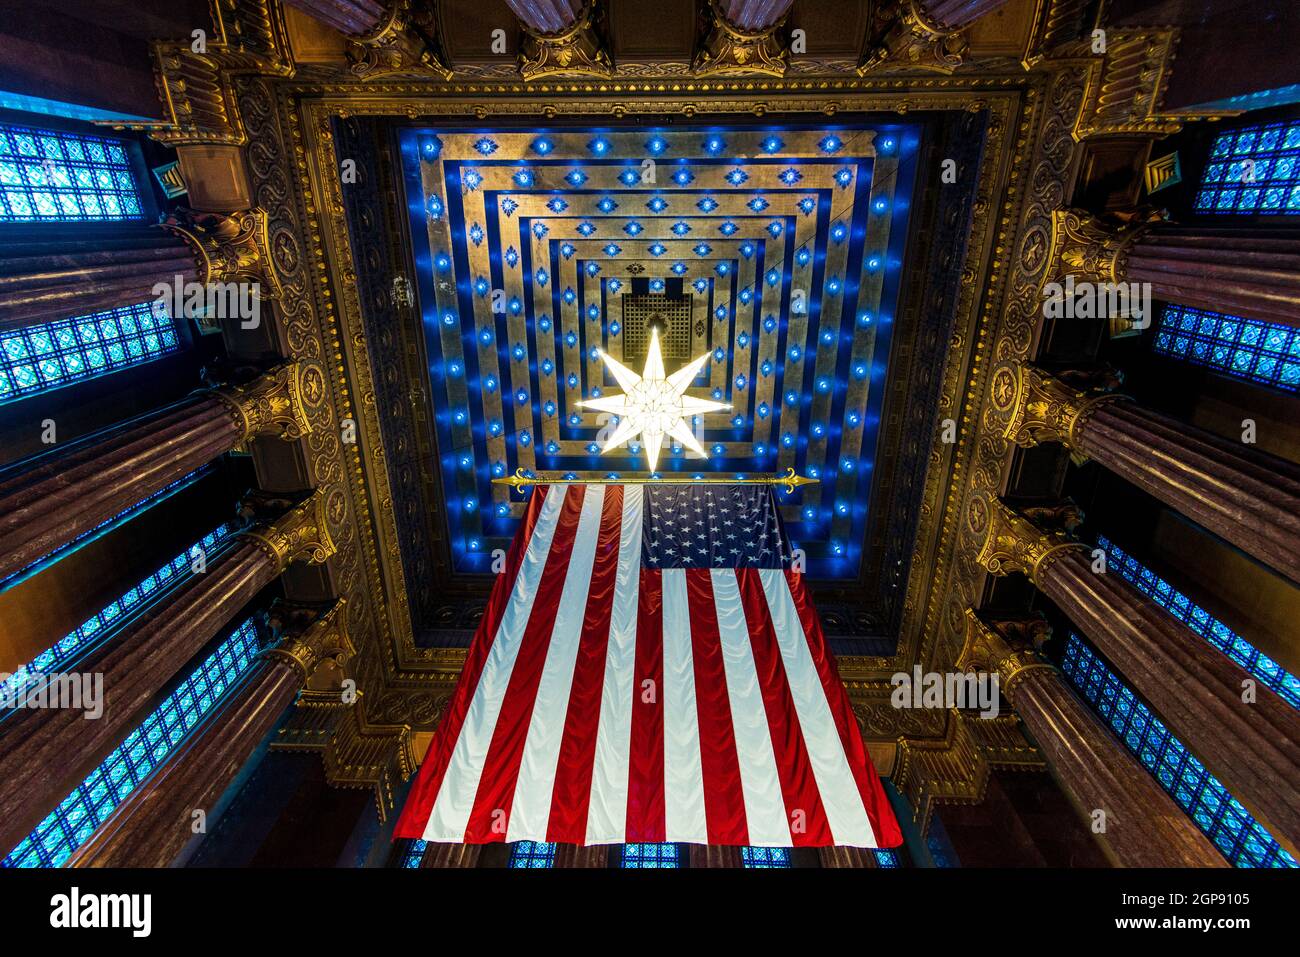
column 650, row 669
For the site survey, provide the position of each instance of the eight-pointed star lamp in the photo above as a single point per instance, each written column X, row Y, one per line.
column 654, row 405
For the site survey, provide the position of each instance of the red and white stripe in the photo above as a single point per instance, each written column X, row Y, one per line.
column 604, row 703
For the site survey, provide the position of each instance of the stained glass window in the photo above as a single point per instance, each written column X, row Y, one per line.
column 885, row 858
column 1268, row 671
column 652, row 855
column 37, row 358
column 90, row 630
column 70, row 824
column 765, row 856
column 59, row 176
column 1255, row 169
column 1262, row 352
column 530, row 854
column 1228, row 825
column 414, row 853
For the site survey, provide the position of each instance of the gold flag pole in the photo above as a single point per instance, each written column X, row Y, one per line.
column 789, row 481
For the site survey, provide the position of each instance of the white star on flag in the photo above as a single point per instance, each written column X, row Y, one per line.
column 654, row 405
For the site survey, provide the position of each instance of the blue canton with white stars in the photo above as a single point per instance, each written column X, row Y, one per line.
column 713, row 526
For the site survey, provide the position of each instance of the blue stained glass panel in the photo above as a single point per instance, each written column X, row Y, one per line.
column 1255, row 169
column 765, row 857
column 1268, row 671
column 414, row 853
column 1238, row 836
column 1262, row 352
column 70, row 824
column 61, row 176
column 886, row 858
column 46, row 356
column 532, row 854
column 652, row 855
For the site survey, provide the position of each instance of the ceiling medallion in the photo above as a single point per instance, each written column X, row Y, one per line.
column 654, row 405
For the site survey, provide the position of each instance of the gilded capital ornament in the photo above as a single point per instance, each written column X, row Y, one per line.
column 300, row 534
column 1012, row 543
column 1008, row 646
column 1034, row 407
column 729, row 50
column 309, row 638
column 278, row 402
column 1088, row 249
column 229, row 248
column 577, row 50
column 911, row 38
column 404, row 41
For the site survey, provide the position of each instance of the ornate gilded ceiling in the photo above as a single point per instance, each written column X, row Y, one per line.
column 778, row 250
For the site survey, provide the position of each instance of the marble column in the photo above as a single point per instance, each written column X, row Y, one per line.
column 49, row 285
column 924, row 33
column 571, row 855
column 841, row 856
column 1251, row 745
column 715, row 855
column 561, row 38
column 1143, row 827
column 154, row 825
column 386, row 36
column 44, row 753
column 52, row 499
column 350, row 17
column 1244, row 496
column 451, row 855
column 1253, row 273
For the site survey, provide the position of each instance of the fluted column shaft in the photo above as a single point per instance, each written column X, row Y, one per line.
column 955, row 14
column 351, row 17
column 1244, row 496
column 839, row 856
column 571, row 855
column 715, row 855
column 451, row 855
column 755, row 15
column 547, row 16
column 1253, row 748
column 154, row 824
column 50, row 500
column 44, row 753
column 1143, row 825
column 58, row 285
column 1252, row 273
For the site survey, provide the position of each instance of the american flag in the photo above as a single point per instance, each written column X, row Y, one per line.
column 649, row 669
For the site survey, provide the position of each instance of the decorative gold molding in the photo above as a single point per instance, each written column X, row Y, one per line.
column 1035, row 407
column 301, row 534
column 729, row 50
column 324, row 638
column 404, row 42
column 1083, row 246
column 1012, row 543
column 229, row 247
column 1008, row 646
column 278, row 402
column 913, row 40
column 578, row 50
column 789, row 481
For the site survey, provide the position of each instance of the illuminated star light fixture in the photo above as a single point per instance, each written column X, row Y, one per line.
column 654, row 405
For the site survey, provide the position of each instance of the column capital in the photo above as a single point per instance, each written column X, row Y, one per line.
column 1090, row 250
column 229, row 247
column 1035, row 407
column 578, row 49
column 732, row 50
column 1012, row 543
column 300, row 534
column 913, row 39
column 1006, row 645
column 277, row 402
column 309, row 637
column 403, row 41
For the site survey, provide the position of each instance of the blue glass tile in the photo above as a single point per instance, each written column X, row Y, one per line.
column 60, row 176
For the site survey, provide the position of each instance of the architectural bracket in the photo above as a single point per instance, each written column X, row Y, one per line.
column 912, row 40
column 301, row 534
column 1012, row 543
column 1032, row 407
column 577, row 50
column 729, row 50
column 404, row 42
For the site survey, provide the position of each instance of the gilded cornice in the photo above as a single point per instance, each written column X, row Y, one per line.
column 728, row 50
column 1012, row 543
column 577, row 50
column 301, row 534
column 1035, row 407
column 277, row 403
